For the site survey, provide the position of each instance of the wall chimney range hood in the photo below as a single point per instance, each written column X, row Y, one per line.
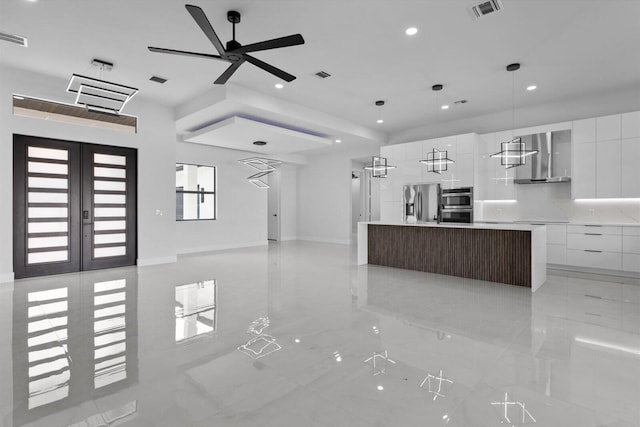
column 552, row 163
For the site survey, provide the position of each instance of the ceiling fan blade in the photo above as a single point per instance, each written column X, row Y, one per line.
column 293, row 40
column 270, row 68
column 185, row 53
column 201, row 19
column 228, row 73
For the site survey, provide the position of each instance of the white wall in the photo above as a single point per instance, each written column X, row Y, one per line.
column 324, row 195
column 288, row 202
column 155, row 142
column 242, row 207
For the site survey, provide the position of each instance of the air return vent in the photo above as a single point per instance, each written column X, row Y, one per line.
column 322, row 74
column 65, row 113
column 12, row 38
column 485, row 8
column 158, row 79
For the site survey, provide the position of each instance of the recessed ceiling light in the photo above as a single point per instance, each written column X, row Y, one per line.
column 532, row 87
column 279, row 85
column 411, row 31
column 338, row 141
column 380, row 388
column 445, row 107
column 379, row 121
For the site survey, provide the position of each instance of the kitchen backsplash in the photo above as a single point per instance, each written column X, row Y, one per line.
column 552, row 202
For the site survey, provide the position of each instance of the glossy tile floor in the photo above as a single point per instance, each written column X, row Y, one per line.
column 297, row 335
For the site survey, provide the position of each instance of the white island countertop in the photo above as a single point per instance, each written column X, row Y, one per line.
column 477, row 225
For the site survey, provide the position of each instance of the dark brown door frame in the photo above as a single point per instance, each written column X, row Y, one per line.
column 80, row 198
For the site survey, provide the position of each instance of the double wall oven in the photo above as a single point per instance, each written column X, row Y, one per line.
column 456, row 205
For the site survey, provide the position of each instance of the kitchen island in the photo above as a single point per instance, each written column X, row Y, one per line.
column 506, row 253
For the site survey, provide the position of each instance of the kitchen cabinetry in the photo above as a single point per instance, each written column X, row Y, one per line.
column 605, row 157
column 594, row 246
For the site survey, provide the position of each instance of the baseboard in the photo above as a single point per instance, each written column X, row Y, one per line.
column 325, row 240
column 6, row 277
column 602, row 271
column 223, row 247
column 155, row 261
column 285, row 239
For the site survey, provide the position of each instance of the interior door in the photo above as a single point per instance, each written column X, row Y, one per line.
column 273, row 206
column 74, row 206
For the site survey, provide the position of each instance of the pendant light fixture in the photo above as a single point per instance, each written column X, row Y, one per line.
column 264, row 168
column 437, row 161
column 379, row 167
column 379, row 120
column 513, row 153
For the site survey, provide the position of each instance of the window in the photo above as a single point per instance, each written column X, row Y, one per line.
column 195, row 192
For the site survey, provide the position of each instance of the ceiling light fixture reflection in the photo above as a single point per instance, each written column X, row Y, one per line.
column 338, row 141
column 411, row 31
column 439, row 392
column 526, row 415
column 445, row 107
column 279, row 85
column 531, row 88
column 384, row 357
column 380, row 388
column 379, row 121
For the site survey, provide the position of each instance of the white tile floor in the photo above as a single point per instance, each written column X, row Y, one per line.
column 288, row 336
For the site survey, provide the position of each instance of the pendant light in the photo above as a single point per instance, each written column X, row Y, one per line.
column 513, row 153
column 437, row 161
column 264, row 168
column 379, row 167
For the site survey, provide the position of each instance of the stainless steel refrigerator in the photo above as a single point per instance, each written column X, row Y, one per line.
column 420, row 203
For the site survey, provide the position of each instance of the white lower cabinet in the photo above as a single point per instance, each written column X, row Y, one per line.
column 631, row 262
column 556, row 254
column 592, row 258
column 597, row 242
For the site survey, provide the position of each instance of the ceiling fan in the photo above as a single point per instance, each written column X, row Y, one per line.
column 235, row 53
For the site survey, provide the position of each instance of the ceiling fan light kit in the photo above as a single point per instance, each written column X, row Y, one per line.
column 234, row 53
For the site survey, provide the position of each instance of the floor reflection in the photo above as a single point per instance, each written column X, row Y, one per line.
column 74, row 340
column 195, row 310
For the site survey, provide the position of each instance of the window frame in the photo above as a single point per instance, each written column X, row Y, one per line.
column 214, row 192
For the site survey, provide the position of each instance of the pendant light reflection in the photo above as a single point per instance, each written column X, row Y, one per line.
column 513, row 153
column 379, row 167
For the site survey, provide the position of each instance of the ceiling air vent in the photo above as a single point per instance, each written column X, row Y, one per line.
column 158, row 79
column 12, row 38
column 486, row 8
column 322, row 74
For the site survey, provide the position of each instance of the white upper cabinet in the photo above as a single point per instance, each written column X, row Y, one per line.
column 606, row 157
column 630, row 168
column 608, row 164
column 608, row 128
column 583, row 179
column 584, row 131
column 630, row 125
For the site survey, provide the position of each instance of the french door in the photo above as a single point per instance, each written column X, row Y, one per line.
column 74, row 206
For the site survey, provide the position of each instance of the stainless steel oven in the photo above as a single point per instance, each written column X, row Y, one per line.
column 456, row 205
column 457, row 198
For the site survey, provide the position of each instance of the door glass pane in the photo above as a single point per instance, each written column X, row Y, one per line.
column 47, row 242
column 48, row 212
column 110, row 225
column 109, row 172
column 40, row 257
column 109, row 185
column 35, row 197
column 102, row 212
column 107, row 252
column 109, row 238
column 110, row 285
column 48, row 153
column 47, row 182
column 109, row 159
column 119, row 199
column 47, row 227
column 40, row 167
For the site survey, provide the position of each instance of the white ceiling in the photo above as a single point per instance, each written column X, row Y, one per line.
column 569, row 49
